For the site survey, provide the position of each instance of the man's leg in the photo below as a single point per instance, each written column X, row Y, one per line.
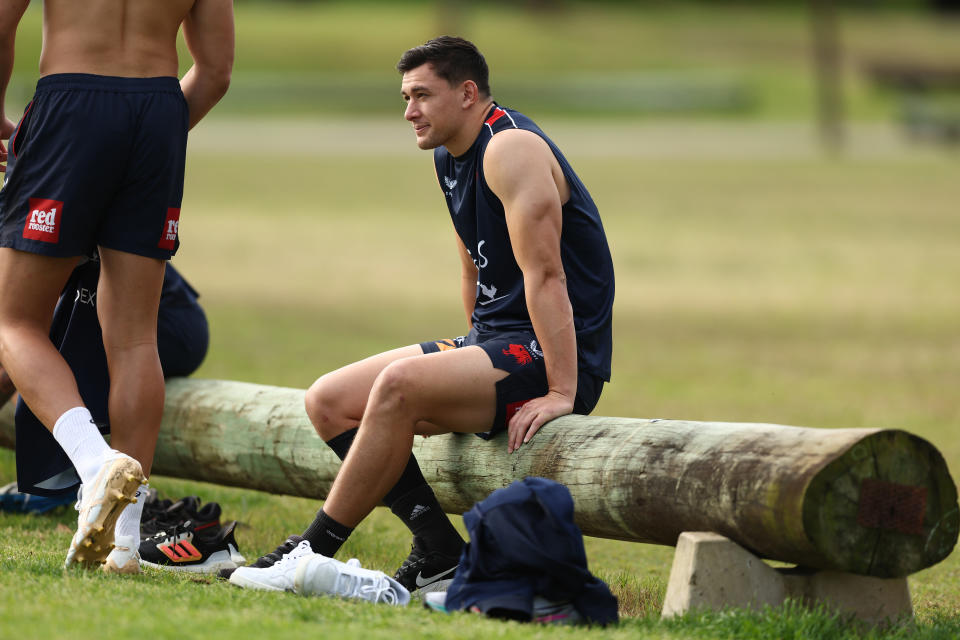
column 412, row 394
column 31, row 285
column 128, row 297
column 335, row 404
column 336, row 401
column 428, row 395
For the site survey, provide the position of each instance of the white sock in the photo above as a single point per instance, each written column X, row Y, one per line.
column 128, row 524
column 78, row 435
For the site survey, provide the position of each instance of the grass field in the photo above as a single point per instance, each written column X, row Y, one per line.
column 756, row 281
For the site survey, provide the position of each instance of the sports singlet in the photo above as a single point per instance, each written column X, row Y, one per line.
column 479, row 219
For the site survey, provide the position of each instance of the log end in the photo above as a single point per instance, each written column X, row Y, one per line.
column 886, row 508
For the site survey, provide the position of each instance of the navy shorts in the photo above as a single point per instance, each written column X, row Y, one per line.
column 520, row 356
column 97, row 161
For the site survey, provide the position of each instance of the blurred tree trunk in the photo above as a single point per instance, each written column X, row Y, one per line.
column 828, row 69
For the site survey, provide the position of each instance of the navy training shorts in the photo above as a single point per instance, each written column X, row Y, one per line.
column 520, row 356
column 97, row 161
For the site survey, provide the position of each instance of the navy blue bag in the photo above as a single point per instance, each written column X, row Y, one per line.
column 524, row 543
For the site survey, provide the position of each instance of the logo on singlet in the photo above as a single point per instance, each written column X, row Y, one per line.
column 450, row 185
column 43, row 222
column 171, row 226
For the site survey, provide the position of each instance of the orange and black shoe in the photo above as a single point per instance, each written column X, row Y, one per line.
column 197, row 548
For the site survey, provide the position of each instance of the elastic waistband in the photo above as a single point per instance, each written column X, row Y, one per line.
column 89, row 81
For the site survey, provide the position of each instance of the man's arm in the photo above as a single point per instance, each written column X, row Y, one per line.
column 10, row 13
column 208, row 32
column 468, row 281
column 521, row 170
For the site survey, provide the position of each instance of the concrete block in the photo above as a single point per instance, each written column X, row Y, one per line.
column 876, row 601
column 712, row 572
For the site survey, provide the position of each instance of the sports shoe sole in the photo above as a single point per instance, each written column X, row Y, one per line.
column 241, row 579
column 218, row 560
column 114, row 487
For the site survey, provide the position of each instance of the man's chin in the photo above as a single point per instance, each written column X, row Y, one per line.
column 427, row 143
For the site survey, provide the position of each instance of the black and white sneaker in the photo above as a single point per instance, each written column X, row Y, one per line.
column 269, row 559
column 427, row 571
column 193, row 547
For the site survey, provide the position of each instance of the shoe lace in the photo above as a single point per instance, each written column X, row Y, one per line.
column 368, row 587
column 280, row 553
column 172, row 533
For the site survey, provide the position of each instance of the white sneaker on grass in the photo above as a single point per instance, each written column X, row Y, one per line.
column 276, row 577
column 113, row 488
column 319, row 575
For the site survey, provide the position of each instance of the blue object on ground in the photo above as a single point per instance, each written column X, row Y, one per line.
column 12, row 500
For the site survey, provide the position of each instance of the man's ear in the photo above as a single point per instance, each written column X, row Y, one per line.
column 470, row 94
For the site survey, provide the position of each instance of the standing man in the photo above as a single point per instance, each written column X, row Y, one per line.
column 97, row 162
column 537, row 290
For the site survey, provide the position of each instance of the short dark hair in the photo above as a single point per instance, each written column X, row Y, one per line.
column 453, row 59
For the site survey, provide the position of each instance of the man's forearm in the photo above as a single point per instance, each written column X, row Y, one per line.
column 203, row 90
column 552, row 318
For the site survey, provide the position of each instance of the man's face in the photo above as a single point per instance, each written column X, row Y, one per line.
column 434, row 108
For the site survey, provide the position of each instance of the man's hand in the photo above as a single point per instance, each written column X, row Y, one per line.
column 533, row 415
column 7, row 127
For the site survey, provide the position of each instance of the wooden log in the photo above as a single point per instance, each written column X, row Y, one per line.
column 866, row 501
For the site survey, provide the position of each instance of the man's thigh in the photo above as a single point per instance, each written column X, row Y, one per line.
column 453, row 390
column 346, row 390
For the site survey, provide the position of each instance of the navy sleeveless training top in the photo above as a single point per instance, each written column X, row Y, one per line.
column 479, row 219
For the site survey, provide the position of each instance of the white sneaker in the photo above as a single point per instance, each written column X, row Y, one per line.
column 320, row 575
column 124, row 558
column 112, row 489
column 276, row 577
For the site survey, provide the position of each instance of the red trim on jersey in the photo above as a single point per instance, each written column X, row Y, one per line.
column 497, row 114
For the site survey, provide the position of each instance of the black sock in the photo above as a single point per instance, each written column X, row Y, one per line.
column 412, row 500
column 326, row 535
column 431, row 528
column 410, row 479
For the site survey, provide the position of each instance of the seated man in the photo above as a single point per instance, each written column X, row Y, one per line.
column 537, row 288
column 43, row 469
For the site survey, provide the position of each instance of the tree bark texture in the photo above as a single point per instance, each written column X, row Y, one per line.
column 867, row 501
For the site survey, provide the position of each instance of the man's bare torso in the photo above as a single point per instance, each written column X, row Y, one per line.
column 131, row 38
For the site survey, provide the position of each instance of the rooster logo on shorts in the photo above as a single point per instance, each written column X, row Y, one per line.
column 519, row 352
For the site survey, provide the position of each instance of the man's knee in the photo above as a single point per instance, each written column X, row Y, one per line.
column 395, row 388
column 324, row 405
